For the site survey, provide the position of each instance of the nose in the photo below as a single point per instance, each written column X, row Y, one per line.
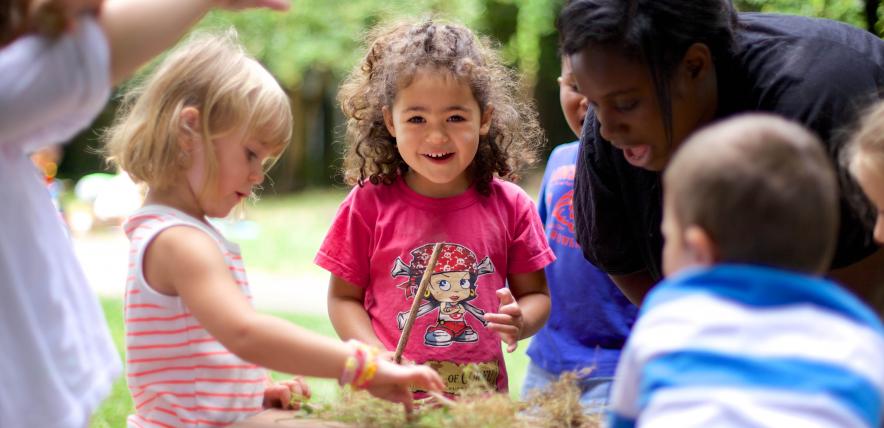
column 584, row 105
column 610, row 127
column 436, row 134
column 256, row 173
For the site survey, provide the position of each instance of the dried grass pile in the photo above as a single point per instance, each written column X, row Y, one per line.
column 478, row 406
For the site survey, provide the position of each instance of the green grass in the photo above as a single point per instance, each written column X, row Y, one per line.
column 291, row 228
column 118, row 405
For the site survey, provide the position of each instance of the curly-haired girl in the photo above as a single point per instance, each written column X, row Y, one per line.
column 434, row 123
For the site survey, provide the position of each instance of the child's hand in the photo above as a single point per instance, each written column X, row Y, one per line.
column 508, row 320
column 279, row 394
column 248, row 4
column 392, row 382
column 52, row 17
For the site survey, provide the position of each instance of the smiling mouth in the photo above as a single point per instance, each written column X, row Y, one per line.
column 439, row 156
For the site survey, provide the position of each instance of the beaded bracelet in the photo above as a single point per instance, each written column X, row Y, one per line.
column 360, row 367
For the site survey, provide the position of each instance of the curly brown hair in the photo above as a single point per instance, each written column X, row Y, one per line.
column 396, row 53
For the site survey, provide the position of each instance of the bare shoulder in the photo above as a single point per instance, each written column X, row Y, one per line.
column 179, row 254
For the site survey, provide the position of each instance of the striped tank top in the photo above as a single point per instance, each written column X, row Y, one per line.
column 178, row 373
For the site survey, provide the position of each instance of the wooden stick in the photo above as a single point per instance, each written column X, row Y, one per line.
column 418, row 296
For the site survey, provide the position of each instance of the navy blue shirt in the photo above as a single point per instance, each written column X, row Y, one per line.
column 817, row 72
column 590, row 318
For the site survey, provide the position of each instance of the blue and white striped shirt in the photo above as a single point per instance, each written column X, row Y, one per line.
column 738, row 345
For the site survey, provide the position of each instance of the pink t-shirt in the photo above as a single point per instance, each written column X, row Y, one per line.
column 381, row 240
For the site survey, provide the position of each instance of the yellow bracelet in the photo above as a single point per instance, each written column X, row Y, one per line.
column 368, row 372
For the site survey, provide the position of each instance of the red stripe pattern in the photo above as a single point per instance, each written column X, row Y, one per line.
column 178, row 374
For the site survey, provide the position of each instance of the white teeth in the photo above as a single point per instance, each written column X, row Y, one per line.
column 437, row 155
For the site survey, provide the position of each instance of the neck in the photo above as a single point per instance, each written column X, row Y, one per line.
column 427, row 188
column 179, row 197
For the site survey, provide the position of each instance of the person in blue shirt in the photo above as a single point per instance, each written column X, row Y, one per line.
column 590, row 318
column 744, row 331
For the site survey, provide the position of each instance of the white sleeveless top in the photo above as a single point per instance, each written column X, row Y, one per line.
column 178, row 373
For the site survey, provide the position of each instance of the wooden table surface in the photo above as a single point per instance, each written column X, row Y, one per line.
column 275, row 418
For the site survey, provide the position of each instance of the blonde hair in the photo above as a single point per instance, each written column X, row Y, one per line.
column 229, row 88
column 764, row 190
column 396, row 53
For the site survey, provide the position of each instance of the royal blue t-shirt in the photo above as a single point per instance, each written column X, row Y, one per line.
column 590, row 318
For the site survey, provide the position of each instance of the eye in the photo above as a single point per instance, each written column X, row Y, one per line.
column 626, row 105
column 444, row 285
column 457, row 118
column 464, row 283
column 251, row 155
column 416, row 119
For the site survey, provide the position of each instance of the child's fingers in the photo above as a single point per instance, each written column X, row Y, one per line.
column 273, row 396
column 508, row 304
column 498, row 318
column 504, row 329
column 285, row 398
column 508, row 333
column 505, row 296
column 421, row 376
column 298, row 387
column 426, row 378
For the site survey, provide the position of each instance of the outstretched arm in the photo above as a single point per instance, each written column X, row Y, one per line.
column 138, row 30
column 187, row 262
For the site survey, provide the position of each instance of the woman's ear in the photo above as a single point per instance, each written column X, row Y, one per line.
column 696, row 63
column 388, row 121
column 700, row 246
column 485, row 124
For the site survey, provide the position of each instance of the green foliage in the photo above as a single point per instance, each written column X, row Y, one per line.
column 849, row 11
column 327, row 35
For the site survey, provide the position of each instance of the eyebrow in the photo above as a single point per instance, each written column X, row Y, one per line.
column 422, row 109
column 619, row 92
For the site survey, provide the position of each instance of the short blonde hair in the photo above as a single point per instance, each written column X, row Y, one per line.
column 764, row 190
column 209, row 72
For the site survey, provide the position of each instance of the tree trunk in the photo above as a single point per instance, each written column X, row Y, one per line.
column 872, row 15
column 287, row 174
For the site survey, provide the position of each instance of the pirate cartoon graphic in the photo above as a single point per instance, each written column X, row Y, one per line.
column 452, row 285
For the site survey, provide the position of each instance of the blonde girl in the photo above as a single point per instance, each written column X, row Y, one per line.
column 200, row 132
column 433, row 125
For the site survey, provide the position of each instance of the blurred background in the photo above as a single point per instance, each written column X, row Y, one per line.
column 313, row 46
column 309, row 50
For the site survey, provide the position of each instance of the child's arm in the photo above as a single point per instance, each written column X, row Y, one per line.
column 347, row 313
column 184, row 261
column 524, row 308
column 139, row 30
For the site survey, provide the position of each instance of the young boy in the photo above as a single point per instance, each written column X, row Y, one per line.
column 744, row 332
column 590, row 318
